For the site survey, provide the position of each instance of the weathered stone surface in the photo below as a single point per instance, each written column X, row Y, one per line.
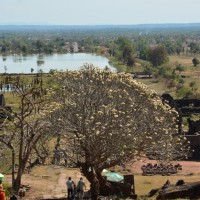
column 184, row 190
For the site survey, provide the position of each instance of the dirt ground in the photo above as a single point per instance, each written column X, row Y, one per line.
column 50, row 181
column 188, row 167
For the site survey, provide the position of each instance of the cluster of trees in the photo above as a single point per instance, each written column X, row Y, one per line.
column 22, row 45
column 175, row 40
column 195, row 61
column 143, row 44
column 174, row 47
column 108, row 119
column 157, row 56
column 194, row 47
column 173, row 79
column 123, row 50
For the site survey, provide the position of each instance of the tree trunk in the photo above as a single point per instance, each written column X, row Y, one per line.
column 13, row 168
column 98, row 184
column 17, row 182
column 94, row 188
column 104, row 186
column 89, row 173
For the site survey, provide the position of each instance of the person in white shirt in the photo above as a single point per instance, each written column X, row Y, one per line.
column 70, row 185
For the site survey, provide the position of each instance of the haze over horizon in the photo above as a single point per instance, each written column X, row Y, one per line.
column 93, row 12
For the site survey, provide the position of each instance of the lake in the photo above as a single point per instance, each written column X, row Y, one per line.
column 23, row 64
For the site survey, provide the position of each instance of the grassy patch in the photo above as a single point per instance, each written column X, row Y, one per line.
column 153, row 84
column 116, row 64
column 144, row 184
column 184, row 60
column 12, row 100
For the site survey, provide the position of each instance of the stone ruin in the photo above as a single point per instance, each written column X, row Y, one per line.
column 149, row 169
column 194, row 126
column 185, row 108
column 180, row 190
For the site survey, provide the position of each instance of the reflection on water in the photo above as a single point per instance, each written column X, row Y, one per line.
column 10, row 87
column 17, row 59
column 6, row 87
column 26, row 64
column 40, row 62
column 41, row 57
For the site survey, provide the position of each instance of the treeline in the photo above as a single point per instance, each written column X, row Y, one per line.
column 41, row 39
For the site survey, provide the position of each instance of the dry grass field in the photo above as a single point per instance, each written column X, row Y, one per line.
column 159, row 87
column 190, row 74
column 184, row 60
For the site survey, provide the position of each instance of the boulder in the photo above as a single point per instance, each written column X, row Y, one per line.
column 180, row 190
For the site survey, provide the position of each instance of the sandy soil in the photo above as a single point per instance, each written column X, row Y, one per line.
column 50, row 181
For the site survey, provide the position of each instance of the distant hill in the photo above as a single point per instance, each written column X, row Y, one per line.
column 185, row 26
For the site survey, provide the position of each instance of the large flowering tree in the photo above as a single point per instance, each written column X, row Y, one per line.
column 110, row 118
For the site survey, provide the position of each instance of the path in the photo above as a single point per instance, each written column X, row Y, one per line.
column 60, row 188
column 49, row 181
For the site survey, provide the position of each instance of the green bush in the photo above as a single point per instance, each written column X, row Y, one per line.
column 183, row 92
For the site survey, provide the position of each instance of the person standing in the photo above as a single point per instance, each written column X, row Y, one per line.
column 70, row 185
column 81, row 186
column 2, row 191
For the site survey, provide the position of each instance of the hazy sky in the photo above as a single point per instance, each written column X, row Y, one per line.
column 96, row 12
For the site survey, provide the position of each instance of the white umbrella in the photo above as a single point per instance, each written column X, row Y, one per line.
column 1, row 177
